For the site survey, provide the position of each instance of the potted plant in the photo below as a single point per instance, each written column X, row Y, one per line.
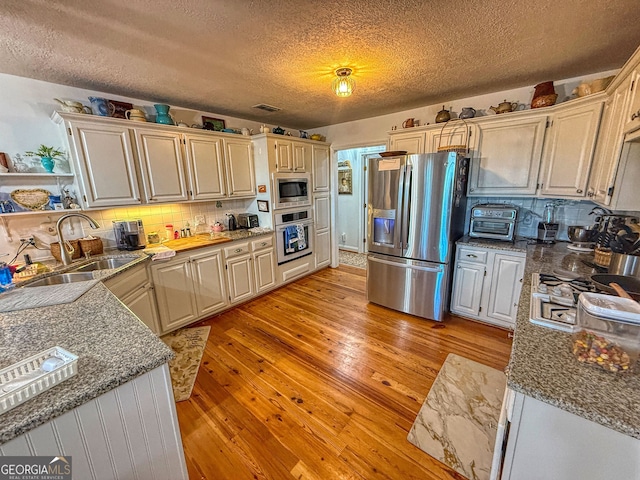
column 47, row 156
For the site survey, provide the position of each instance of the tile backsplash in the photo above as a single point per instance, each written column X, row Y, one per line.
column 154, row 218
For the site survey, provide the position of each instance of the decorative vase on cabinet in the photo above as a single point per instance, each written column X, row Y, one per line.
column 162, row 114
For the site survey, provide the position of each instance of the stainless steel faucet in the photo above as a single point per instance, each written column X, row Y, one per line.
column 65, row 255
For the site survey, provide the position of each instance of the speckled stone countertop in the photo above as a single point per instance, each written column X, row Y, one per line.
column 517, row 246
column 113, row 347
column 543, row 366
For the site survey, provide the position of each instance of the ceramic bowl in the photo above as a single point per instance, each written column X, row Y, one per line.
column 544, row 101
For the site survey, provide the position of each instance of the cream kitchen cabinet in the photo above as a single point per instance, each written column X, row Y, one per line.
column 631, row 116
column 302, row 158
column 103, row 161
column 240, row 273
column 507, row 156
column 322, row 221
column 189, row 287
column 241, row 177
column 161, row 165
column 569, row 147
column 453, row 133
column 411, row 142
column 487, row 284
column 320, row 159
column 292, row 156
column 205, row 163
column 133, row 288
column 264, row 264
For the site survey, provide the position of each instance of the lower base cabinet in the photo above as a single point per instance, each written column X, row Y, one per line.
column 487, row 284
column 240, row 278
column 133, row 288
column 250, row 269
column 188, row 288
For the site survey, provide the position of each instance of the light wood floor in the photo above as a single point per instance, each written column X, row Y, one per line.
column 311, row 381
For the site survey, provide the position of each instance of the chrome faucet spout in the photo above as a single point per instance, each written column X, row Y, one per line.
column 66, row 254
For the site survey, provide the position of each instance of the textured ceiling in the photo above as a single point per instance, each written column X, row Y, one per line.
column 225, row 56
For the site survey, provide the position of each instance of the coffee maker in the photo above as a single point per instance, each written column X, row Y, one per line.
column 129, row 234
column 548, row 228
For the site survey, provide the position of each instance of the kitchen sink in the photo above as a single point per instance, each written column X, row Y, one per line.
column 105, row 264
column 61, row 279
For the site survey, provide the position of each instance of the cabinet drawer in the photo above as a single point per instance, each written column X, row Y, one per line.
column 259, row 244
column 472, row 255
column 236, row 250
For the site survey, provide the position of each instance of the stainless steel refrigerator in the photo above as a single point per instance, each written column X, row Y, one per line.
column 416, row 211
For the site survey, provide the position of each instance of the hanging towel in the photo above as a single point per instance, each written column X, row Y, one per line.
column 302, row 241
column 290, row 238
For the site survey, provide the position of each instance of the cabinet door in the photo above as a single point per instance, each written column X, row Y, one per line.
column 321, row 168
column 411, row 142
column 467, row 288
column 241, row 177
column 160, row 156
column 107, row 173
column 284, row 156
column 507, row 156
column 568, row 151
column 632, row 111
column 240, row 278
column 323, row 248
column 301, row 157
column 609, row 146
column 208, row 282
column 265, row 272
column 142, row 303
column 504, row 293
column 322, row 216
column 205, row 162
column 454, row 134
column 173, row 285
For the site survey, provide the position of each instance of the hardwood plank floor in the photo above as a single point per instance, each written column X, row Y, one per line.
column 312, row 382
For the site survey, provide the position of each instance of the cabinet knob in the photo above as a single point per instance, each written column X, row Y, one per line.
column 263, row 243
column 472, row 189
column 472, row 255
column 579, row 190
column 238, row 250
column 635, row 115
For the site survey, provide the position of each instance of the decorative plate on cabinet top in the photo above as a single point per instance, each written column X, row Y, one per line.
column 394, row 153
column 35, row 199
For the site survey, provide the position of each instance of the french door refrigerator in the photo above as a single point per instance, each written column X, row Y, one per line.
column 416, row 211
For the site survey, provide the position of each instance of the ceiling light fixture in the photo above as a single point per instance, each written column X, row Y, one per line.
column 343, row 85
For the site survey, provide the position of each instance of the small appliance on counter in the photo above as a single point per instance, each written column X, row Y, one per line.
column 548, row 228
column 496, row 221
column 247, row 220
column 129, row 234
column 233, row 224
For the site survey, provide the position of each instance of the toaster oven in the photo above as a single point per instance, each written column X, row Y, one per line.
column 493, row 220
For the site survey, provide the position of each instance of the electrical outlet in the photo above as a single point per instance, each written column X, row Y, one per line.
column 28, row 241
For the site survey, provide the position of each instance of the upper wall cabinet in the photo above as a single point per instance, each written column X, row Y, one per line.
column 116, row 159
column 104, row 163
column 160, row 155
column 507, row 157
column 411, row 142
column 631, row 114
column 321, row 168
column 569, row 148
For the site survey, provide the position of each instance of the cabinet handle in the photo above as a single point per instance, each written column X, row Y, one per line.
column 520, row 280
column 579, row 190
column 472, row 255
column 635, row 115
column 263, row 244
column 238, row 250
column 472, row 189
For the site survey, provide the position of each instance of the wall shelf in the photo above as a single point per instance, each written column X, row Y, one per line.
column 6, row 176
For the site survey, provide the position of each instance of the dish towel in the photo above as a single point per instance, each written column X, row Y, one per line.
column 290, row 238
column 302, row 241
column 160, row 252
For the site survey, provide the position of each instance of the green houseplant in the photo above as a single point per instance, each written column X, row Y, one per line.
column 47, row 156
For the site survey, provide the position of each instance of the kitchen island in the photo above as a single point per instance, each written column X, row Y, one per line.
column 116, row 418
column 568, row 420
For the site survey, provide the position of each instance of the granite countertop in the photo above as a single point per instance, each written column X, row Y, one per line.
column 543, row 366
column 113, row 347
column 519, row 245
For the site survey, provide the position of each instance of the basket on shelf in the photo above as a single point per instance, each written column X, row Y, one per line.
column 602, row 256
column 462, row 149
column 91, row 246
column 55, row 249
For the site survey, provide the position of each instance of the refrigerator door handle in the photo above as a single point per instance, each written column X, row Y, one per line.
column 398, row 231
column 406, row 201
column 406, row 265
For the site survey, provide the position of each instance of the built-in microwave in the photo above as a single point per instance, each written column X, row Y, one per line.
column 291, row 190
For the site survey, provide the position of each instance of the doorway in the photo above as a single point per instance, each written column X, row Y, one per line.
column 351, row 206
